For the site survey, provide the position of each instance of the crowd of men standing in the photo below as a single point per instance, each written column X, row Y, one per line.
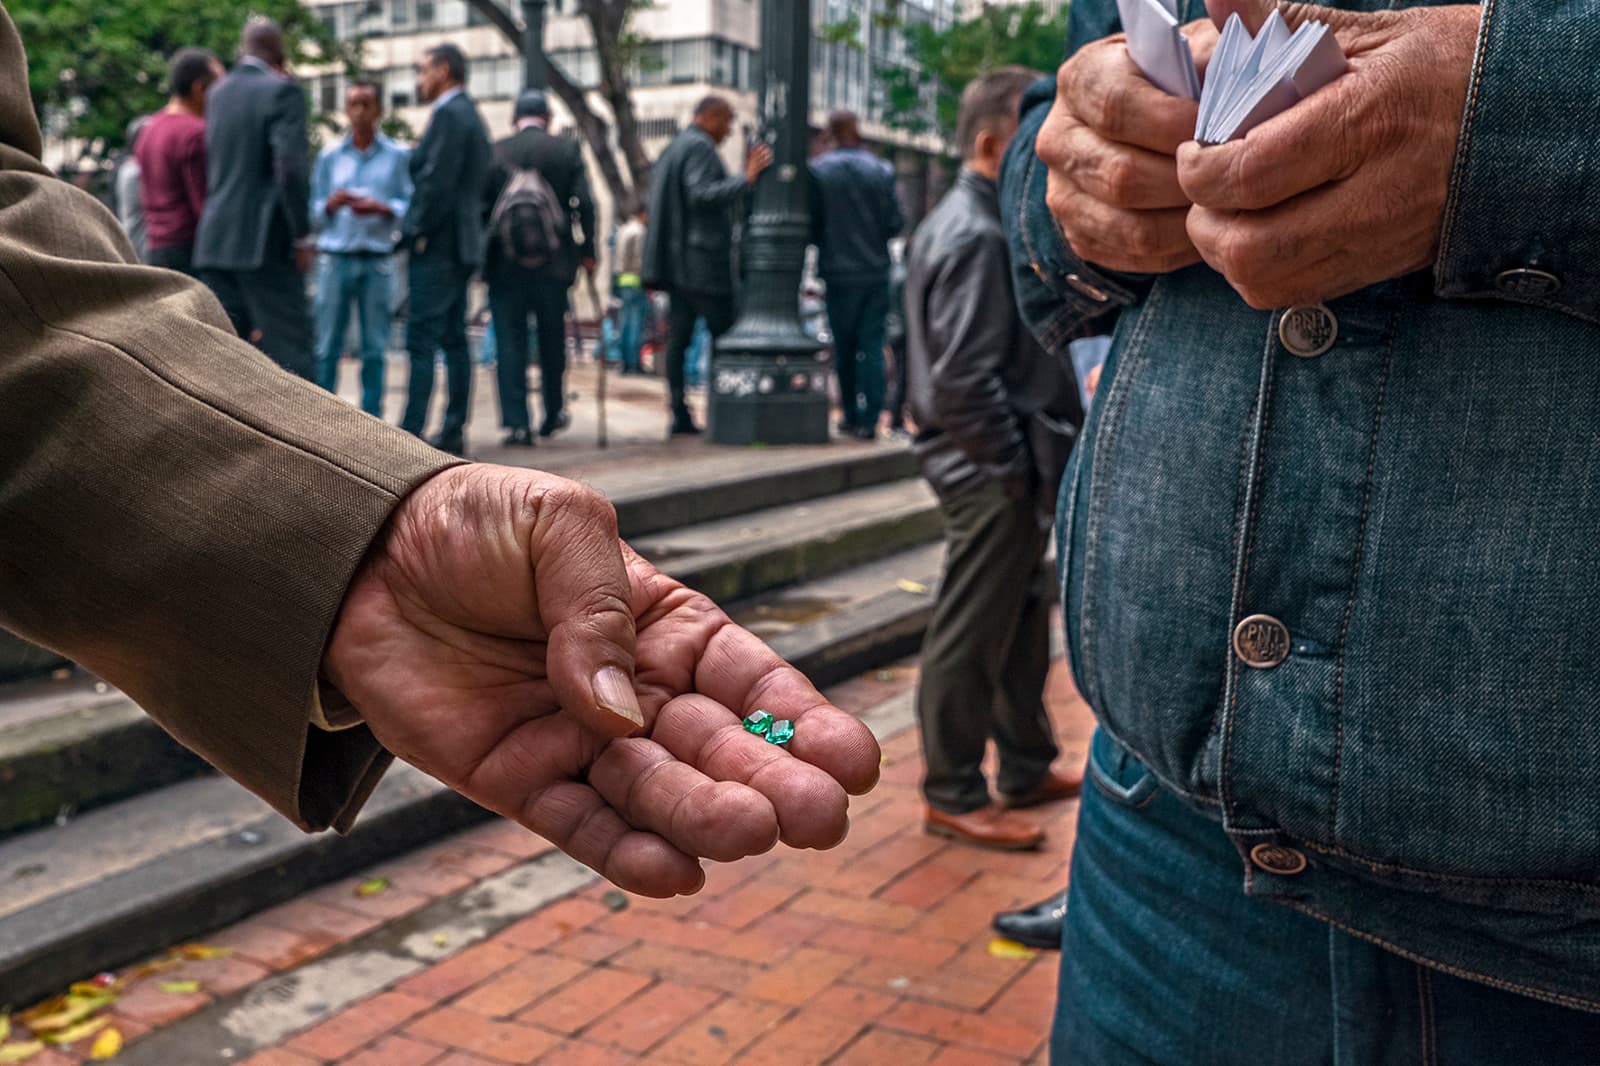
column 219, row 186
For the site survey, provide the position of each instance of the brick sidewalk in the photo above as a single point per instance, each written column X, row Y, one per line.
column 876, row 952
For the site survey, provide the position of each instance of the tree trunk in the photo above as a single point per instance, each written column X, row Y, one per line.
column 608, row 20
column 594, row 128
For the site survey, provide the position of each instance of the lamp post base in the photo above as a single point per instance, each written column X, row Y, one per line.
column 767, row 397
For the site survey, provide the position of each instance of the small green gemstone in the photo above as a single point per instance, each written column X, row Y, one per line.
column 781, row 732
column 758, row 722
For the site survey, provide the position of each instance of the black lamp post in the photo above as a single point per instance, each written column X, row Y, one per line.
column 533, row 71
column 769, row 381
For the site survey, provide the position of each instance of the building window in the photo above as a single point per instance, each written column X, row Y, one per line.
column 424, row 12
column 400, row 12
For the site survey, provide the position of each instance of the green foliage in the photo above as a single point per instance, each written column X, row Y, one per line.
column 95, row 65
column 943, row 61
column 847, row 31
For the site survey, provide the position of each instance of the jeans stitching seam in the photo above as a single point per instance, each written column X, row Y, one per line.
column 1467, row 879
column 1464, row 141
column 1355, row 581
column 1244, row 551
column 1560, row 998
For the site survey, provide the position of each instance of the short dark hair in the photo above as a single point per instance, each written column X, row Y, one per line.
column 263, row 38
column 369, row 86
column 711, row 103
column 454, row 60
column 988, row 101
column 190, row 67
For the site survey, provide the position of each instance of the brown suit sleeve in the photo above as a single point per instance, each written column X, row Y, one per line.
column 176, row 513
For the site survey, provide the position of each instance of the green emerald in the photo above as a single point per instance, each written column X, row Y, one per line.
column 758, row 722
column 781, row 732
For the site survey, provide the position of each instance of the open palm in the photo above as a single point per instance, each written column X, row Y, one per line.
column 502, row 639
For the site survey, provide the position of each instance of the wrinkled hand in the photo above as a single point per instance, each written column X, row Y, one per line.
column 502, row 639
column 1109, row 143
column 759, row 159
column 1348, row 187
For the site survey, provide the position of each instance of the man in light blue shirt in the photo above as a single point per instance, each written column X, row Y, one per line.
column 360, row 190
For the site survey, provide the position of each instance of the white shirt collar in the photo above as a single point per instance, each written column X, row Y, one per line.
column 446, row 96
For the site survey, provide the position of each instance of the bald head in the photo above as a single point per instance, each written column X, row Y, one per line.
column 714, row 115
column 263, row 39
column 844, row 128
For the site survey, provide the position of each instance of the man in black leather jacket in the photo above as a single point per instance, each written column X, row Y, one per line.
column 689, row 248
column 995, row 420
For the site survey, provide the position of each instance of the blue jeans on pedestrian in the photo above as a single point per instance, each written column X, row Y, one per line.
column 1165, row 960
column 365, row 281
column 635, row 315
column 858, row 318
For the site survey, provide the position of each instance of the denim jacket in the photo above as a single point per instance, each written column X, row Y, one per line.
column 1416, row 513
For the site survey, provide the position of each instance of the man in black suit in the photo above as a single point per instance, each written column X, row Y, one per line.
column 689, row 249
column 443, row 233
column 534, row 279
column 249, row 244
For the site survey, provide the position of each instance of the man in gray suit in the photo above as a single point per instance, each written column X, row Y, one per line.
column 443, row 233
column 249, row 248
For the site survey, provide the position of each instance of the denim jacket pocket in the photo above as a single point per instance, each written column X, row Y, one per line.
column 1118, row 774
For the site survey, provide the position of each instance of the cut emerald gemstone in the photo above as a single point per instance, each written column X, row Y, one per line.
column 758, row 722
column 781, row 732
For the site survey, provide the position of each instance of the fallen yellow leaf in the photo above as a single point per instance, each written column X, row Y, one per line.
column 20, row 1052
column 440, row 940
column 372, row 887
column 907, row 585
column 106, row 1045
column 202, row 951
column 77, row 1032
column 180, row 988
column 1001, row 948
column 157, row 966
column 73, row 1010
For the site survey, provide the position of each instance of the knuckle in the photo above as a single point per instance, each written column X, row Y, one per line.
column 1120, row 180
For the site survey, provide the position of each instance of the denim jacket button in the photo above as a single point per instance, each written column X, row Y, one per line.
column 1308, row 330
column 1527, row 283
column 1277, row 859
column 1261, row 641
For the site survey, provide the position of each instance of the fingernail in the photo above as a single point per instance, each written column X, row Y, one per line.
column 613, row 690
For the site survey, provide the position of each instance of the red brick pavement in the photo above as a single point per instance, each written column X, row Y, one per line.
column 876, row 952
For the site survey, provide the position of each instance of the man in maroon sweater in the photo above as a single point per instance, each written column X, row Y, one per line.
column 172, row 161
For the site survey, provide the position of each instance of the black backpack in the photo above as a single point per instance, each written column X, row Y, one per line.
column 527, row 218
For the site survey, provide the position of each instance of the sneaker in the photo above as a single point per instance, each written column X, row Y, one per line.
column 518, row 438
column 555, row 425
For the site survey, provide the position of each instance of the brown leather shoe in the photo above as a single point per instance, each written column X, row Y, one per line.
column 986, row 827
column 1055, row 786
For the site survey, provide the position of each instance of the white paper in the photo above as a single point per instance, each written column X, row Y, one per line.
column 1158, row 47
column 1251, row 79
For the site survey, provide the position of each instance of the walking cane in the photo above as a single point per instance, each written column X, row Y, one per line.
column 599, row 353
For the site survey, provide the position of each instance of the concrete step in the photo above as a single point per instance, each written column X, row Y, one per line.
column 736, row 558
column 133, row 877
column 763, row 522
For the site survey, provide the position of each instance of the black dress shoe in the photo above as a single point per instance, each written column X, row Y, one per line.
column 518, row 438
column 453, row 445
column 552, row 426
column 684, row 427
column 1038, row 926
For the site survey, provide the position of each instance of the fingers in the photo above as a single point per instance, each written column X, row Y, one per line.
column 653, row 790
column 1102, row 88
column 740, row 672
column 1251, row 12
column 811, row 806
column 1307, row 146
column 582, row 592
column 1119, row 175
column 576, row 819
column 1145, row 242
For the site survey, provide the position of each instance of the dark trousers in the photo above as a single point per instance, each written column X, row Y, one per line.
column 268, row 308
column 858, row 317
column 179, row 257
column 718, row 311
column 514, row 294
column 438, row 322
column 896, row 401
column 986, row 653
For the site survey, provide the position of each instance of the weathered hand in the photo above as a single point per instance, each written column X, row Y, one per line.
column 1348, row 187
column 1109, row 143
column 759, row 159
column 501, row 638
